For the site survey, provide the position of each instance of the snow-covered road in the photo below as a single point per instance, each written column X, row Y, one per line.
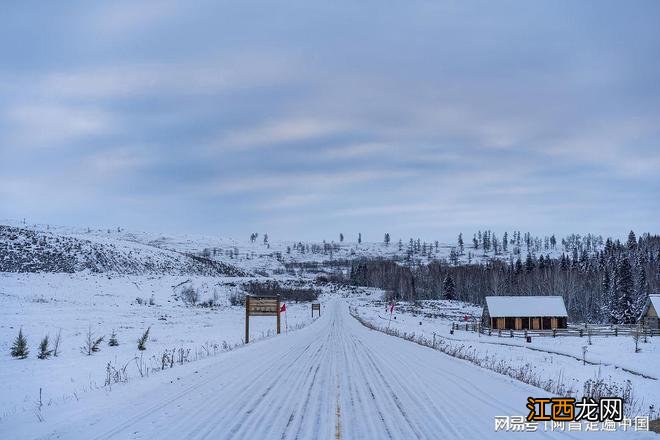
column 333, row 379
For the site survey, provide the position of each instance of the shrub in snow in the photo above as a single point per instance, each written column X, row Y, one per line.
column 189, row 295
column 142, row 342
column 19, row 349
column 113, row 342
column 91, row 344
column 237, row 299
column 97, row 344
column 56, row 344
column 44, row 351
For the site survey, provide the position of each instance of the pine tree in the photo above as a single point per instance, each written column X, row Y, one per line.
column 519, row 266
column 387, row 239
column 529, row 263
column 359, row 237
column 113, row 342
column 632, row 242
column 341, row 237
column 460, row 243
column 142, row 342
column 449, row 288
column 625, row 313
column 20, row 349
column 475, row 242
column 44, row 350
column 505, row 240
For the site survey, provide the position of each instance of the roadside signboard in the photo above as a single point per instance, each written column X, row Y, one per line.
column 261, row 306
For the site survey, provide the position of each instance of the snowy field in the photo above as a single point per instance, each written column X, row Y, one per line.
column 610, row 359
column 332, row 379
column 43, row 304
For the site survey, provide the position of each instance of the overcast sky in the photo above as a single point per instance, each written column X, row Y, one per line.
column 305, row 119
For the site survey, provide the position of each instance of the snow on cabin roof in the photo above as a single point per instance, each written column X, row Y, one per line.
column 514, row 306
column 655, row 300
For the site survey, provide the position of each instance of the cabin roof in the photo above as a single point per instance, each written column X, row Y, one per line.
column 653, row 300
column 518, row 306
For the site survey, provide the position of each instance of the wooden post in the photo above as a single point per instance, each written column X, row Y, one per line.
column 247, row 318
column 278, row 314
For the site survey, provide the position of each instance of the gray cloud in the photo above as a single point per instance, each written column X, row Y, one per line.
column 422, row 118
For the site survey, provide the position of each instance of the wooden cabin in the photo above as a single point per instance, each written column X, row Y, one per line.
column 524, row 313
column 649, row 317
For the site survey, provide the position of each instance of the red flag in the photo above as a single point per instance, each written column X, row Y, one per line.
column 283, row 308
column 391, row 307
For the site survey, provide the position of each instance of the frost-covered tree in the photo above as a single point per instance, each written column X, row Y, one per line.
column 359, row 237
column 449, row 288
column 529, row 263
column 44, row 350
column 460, row 243
column 19, row 348
column 341, row 237
column 625, row 310
column 632, row 241
column 387, row 239
column 142, row 342
column 113, row 342
column 453, row 257
column 91, row 344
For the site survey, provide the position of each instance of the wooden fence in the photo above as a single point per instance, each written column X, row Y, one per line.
column 572, row 330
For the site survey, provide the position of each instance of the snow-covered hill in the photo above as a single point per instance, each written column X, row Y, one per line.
column 28, row 250
column 135, row 252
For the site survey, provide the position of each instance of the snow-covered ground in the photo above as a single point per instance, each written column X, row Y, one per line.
column 382, row 385
column 43, row 304
column 612, row 359
column 332, row 379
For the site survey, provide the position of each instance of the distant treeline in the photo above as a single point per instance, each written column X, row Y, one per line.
column 286, row 293
column 608, row 284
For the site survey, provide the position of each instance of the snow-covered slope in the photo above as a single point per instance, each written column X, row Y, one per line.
column 276, row 256
column 26, row 250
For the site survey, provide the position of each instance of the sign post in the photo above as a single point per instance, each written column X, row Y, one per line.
column 261, row 306
column 316, row 306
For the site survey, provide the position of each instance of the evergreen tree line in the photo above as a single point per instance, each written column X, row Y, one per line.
column 606, row 283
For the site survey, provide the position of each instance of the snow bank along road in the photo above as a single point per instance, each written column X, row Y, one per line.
column 333, row 379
